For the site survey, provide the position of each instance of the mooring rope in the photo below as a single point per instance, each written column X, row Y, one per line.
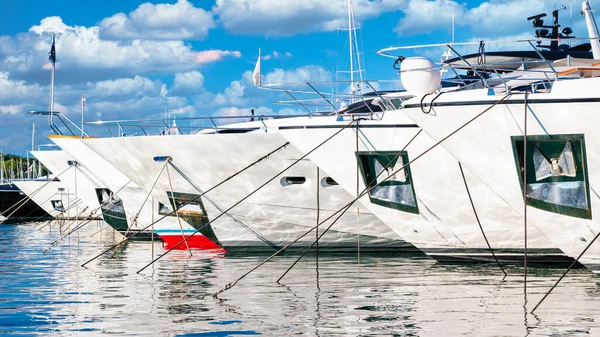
column 89, row 220
column 23, row 201
column 174, row 203
column 134, row 220
column 252, row 193
column 566, row 272
column 220, row 209
column 347, row 206
column 195, row 198
column 345, row 210
column 525, row 198
column 477, row 218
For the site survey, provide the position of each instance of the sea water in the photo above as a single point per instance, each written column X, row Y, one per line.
column 338, row 295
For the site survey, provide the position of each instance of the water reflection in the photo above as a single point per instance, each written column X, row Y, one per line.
column 407, row 295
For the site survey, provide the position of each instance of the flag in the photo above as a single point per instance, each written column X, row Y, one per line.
column 52, row 56
column 256, row 73
column 29, row 169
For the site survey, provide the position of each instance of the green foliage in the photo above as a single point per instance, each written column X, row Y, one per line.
column 15, row 165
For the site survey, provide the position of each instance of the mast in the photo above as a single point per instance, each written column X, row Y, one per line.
column 28, row 174
column 33, row 137
column 2, row 164
column 351, row 48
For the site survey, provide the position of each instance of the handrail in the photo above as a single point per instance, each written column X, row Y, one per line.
column 385, row 51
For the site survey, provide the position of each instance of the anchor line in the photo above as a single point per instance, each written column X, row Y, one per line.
column 566, row 272
column 174, row 203
column 220, row 209
column 89, row 220
column 252, row 193
column 365, row 191
column 525, row 198
column 135, row 217
column 192, row 200
column 22, row 202
column 318, row 215
column 478, row 221
column 374, row 180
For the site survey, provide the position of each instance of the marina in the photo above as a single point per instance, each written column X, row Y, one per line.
column 458, row 198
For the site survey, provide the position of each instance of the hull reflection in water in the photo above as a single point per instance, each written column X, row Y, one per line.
column 407, row 295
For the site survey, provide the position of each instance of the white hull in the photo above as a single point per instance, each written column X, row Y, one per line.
column 274, row 215
column 446, row 227
column 75, row 181
column 485, row 147
column 140, row 213
column 45, row 193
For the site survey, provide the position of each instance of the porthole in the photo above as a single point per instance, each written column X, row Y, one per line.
column 328, row 181
column 287, row 181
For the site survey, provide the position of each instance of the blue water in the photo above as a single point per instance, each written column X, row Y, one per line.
column 51, row 294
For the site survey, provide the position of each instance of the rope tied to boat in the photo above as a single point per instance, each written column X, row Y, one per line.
column 365, row 191
column 253, row 192
column 259, row 160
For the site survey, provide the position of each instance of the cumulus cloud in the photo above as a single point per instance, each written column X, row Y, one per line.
column 137, row 86
column 15, row 91
column 179, row 21
column 12, row 109
column 284, row 18
column 491, row 18
column 188, row 83
column 82, row 53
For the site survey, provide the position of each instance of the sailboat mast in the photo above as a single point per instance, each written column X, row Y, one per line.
column 351, row 48
column 2, row 164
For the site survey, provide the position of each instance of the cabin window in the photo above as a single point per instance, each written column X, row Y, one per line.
column 391, row 183
column 165, row 209
column 58, row 205
column 287, row 181
column 556, row 179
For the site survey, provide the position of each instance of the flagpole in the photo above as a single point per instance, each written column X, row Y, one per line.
column 53, row 61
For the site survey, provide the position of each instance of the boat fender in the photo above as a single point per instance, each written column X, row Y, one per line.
column 420, row 75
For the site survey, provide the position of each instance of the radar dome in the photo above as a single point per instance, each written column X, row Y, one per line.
column 420, row 75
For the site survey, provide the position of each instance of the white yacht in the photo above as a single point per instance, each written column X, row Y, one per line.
column 528, row 134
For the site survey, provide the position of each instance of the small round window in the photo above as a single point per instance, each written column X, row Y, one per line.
column 287, row 181
column 328, row 181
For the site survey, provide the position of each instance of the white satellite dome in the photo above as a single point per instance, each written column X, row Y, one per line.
column 420, row 75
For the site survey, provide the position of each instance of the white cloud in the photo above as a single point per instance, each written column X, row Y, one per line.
column 187, row 83
column 12, row 109
column 492, row 18
column 127, row 87
column 243, row 92
column 82, row 53
column 15, row 91
column 302, row 74
column 424, row 17
column 179, row 21
column 208, row 56
column 284, row 18
column 276, row 55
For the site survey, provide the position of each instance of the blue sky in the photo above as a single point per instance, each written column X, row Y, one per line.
column 134, row 59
